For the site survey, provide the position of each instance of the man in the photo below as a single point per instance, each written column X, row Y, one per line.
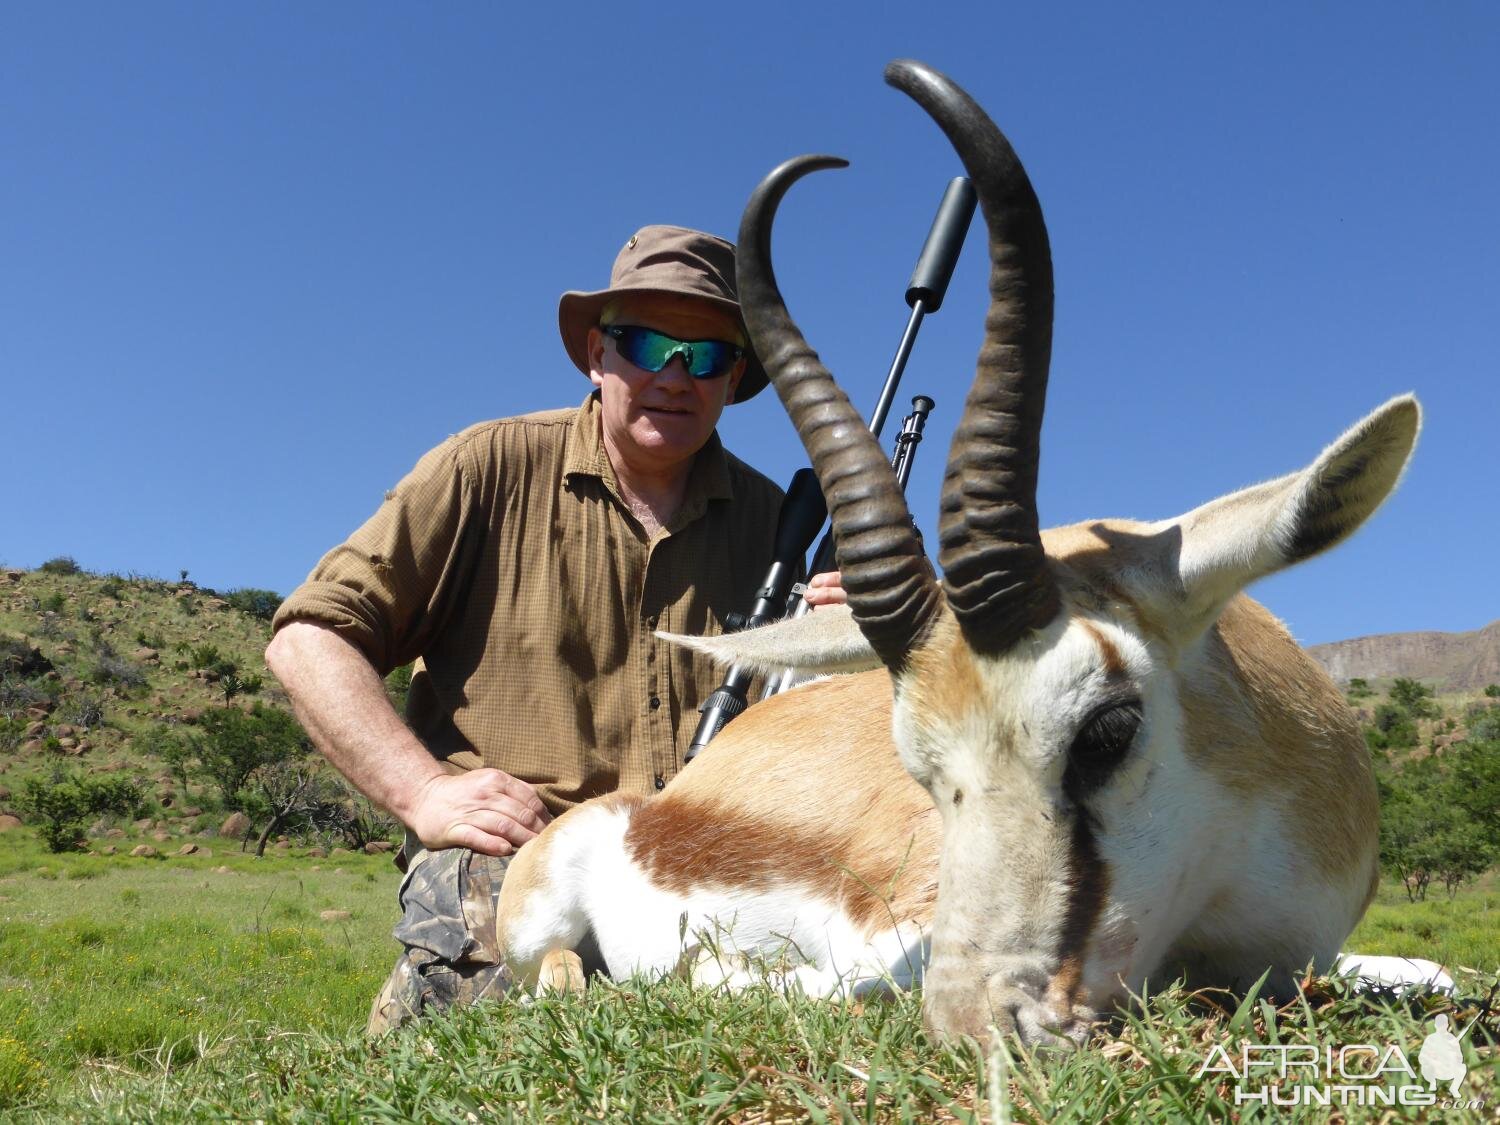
column 525, row 565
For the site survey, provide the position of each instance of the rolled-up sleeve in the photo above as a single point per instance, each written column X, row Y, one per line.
column 390, row 586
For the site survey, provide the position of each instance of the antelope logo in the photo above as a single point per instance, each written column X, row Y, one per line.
column 1116, row 766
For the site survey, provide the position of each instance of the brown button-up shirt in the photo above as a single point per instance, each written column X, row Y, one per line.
column 508, row 566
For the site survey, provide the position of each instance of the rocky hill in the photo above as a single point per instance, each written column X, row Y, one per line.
column 1450, row 662
column 104, row 674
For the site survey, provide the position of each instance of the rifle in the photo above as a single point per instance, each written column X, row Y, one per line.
column 804, row 510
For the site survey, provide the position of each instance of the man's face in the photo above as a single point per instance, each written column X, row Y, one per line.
column 658, row 421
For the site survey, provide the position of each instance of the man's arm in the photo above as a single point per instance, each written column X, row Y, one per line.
column 341, row 701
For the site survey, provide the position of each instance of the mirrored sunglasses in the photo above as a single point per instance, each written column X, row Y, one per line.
column 651, row 350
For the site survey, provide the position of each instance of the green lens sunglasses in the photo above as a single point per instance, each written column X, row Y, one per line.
column 651, row 350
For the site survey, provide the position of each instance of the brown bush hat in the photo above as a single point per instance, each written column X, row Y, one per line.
column 662, row 260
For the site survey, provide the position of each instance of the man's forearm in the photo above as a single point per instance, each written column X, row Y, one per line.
column 341, row 702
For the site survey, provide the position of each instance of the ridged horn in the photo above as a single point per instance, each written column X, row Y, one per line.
column 994, row 569
column 891, row 589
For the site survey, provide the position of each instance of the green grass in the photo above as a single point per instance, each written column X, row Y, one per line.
column 111, row 962
column 162, row 990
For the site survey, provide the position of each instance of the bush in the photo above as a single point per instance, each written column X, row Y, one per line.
column 1415, row 698
column 235, row 744
column 52, row 603
column 1493, row 691
column 397, row 686
column 61, row 804
column 84, row 711
column 113, row 587
column 63, row 564
column 1359, row 688
column 262, row 604
column 1393, row 728
column 205, row 656
column 111, row 669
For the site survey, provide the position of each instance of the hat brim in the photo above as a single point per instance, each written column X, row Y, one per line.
column 578, row 312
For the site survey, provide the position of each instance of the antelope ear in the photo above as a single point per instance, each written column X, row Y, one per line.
column 1230, row 542
column 825, row 641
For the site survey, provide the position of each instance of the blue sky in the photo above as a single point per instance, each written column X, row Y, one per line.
column 255, row 259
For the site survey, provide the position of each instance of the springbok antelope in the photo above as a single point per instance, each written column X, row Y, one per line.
column 1117, row 766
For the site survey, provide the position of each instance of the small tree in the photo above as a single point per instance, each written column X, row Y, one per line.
column 1359, row 688
column 236, row 743
column 64, row 802
column 292, row 790
column 1415, row 698
column 358, row 820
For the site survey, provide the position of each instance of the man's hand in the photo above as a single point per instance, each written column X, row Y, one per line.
column 826, row 589
column 486, row 810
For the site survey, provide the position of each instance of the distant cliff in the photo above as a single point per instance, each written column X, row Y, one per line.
column 1452, row 662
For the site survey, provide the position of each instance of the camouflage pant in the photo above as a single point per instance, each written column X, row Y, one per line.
column 448, row 901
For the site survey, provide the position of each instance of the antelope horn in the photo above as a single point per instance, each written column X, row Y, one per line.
column 891, row 588
column 994, row 569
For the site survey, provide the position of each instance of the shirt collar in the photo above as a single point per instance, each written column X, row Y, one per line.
column 708, row 479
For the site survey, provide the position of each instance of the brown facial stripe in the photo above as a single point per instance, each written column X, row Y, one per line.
column 1114, row 665
column 1088, row 886
column 684, row 846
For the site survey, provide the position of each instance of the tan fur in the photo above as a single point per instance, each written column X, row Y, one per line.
column 739, row 815
column 1288, row 722
column 562, row 972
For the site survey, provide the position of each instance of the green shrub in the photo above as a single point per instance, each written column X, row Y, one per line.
column 61, row 804
column 53, row 603
column 205, row 656
column 397, row 686
column 113, row 587
column 235, row 743
column 1415, row 698
column 261, row 604
column 63, row 564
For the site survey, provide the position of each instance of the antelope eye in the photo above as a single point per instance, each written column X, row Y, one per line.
column 1101, row 745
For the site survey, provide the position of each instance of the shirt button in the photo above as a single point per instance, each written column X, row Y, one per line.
column 655, row 702
column 661, row 782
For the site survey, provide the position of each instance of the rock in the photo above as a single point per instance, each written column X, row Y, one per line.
column 316, row 853
column 235, row 826
column 7, row 822
column 142, row 825
column 147, row 656
column 341, row 851
column 108, row 849
column 35, row 729
column 338, row 870
column 39, row 710
column 283, row 845
column 188, row 849
column 34, row 746
column 192, row 811
column 4, row 793
column 64, row 730
column 379, row 847
column 115, row 834
column 68, row 743
column 223, row 869
column 192, row 714
column 144, row 851
column 161, row 837
column 335, row 915
column 166, row 800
